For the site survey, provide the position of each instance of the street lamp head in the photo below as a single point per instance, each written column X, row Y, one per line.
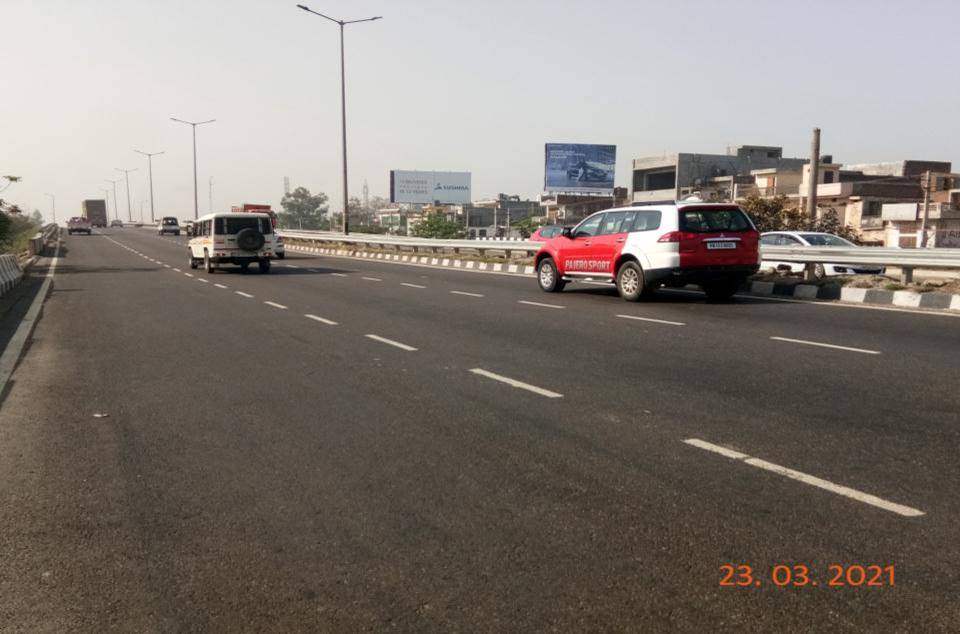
column 303, row 7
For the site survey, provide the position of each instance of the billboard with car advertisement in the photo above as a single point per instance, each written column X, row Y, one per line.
column 577, row 167
column 426, row 188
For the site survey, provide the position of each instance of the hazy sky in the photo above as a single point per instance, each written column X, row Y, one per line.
column 450, row 85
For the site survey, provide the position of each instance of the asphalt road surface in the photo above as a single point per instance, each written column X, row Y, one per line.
column 349, row 445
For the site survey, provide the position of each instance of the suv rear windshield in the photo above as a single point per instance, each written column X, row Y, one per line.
column 228, row 226
column 169, row 221
column 712, row 220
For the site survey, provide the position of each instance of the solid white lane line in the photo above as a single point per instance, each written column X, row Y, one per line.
column 825, row 345
column 275, row 305
column 805, row 478
column 656, row 321
column 189, row 274
column 329, row 322
column 200, row 279
column 412, row 285
column 517, row 384
column 391, row 342
column 523, row 301
column 339, row 274
column 466, row 293
column 242, row 294
column 220, row 286
column 371, row 279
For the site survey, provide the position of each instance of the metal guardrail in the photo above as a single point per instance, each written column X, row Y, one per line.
column 905, row 259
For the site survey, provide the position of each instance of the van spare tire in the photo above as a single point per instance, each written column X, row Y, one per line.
column 250, row 239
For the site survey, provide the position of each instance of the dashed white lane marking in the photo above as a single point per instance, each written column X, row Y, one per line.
column 515, row 383
column 412, row 285
column 276, row 305
column 200, row 279
column 799, row 476
column 467, row 294
column 242, row 294
column 329, row 322
column 178, row 270
column 339, row 274
column 220, row 286
column 189, row 274
column 656, row 321
column 167, row 266
column 391, row 342
column 825, row 345
column 523, row 301
column 291, row 266
column 371, row 279
column 313, row 270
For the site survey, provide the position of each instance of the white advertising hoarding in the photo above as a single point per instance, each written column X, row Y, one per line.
column 425, row 188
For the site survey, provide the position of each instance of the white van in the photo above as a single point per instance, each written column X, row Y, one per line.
column 232, row 238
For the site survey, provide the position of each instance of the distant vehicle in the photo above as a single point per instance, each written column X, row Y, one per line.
column 187, row 226
column 642, row 248
column 546, row 232
column 814, row 239
column 233, row 238
column 78, row 224
column 279, row 250
column 116, row 222
column 96, row 212
column 168, row 224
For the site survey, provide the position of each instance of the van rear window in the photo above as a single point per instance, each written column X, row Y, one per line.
column 229, row 226
column 714, row 220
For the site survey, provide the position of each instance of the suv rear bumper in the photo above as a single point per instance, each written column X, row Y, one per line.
column 698, row 275
column 239, row 259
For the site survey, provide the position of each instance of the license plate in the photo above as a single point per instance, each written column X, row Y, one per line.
column 721, row 245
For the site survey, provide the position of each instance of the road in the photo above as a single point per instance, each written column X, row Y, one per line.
column 347, row 445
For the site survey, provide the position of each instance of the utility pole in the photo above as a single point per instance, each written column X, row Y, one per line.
column 928, row 182
column 106, row 195
column 150, row 156
column 210, row 193
column 814, row 174
column 116, row 210
column 126, row 174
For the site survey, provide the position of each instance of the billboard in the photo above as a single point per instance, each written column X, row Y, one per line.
column 577, row 167
column 446, row 188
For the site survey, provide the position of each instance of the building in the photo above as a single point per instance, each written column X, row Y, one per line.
column 572, row 208
column 489, row 218
column 711, row 176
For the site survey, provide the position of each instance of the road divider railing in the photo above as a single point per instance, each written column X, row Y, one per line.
column 10, row 273
column 42, row 238
column 905, row 259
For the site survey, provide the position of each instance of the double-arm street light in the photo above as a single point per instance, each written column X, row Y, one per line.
column 343, row 104
column 150, row 156
column 116, row 210
column 194, row 125
column 106, row 196
column 126, row 174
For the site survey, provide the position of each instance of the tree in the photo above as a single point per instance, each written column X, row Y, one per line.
column 776, row 214
column 37, row 217
column 303, row 210
column 436, row 225
column 526, row 226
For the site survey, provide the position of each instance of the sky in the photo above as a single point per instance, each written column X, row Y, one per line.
column 450, row 85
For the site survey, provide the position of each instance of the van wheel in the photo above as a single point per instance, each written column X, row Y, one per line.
column 630, row 283
column 721, row 290
column 264, row 266
column 208, row 263
column 193, row 261
column 548, row 277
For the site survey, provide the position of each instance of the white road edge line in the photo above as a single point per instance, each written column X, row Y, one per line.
column 372, row 279
column 242, row 294
column 518, row 384
column 391, row 342
column 276, row 305
column 329, row 322
column 825, row 345
column 412, row 285
column 799, row 476
column 656, row 321
column 467, row 294
column 220, row 286
column 523, row 301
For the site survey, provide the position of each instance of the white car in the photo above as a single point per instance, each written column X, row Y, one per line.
column 232, row 238
column 813, row 239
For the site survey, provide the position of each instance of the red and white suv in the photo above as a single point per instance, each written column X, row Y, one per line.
column 642, row 248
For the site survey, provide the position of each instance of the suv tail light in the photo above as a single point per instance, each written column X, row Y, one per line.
column 687, row 239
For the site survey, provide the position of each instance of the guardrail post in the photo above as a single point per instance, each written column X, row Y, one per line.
column 810, row 272
column 906, row 274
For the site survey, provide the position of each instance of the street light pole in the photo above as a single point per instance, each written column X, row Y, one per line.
column 53, row 204
column 150, row 156
column 194, row 125
column 343, row 105
column 106, row 195
column 116, row 210
column 126, row 174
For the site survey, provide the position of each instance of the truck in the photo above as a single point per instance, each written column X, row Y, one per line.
column 96, row 212
column 256, row 208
